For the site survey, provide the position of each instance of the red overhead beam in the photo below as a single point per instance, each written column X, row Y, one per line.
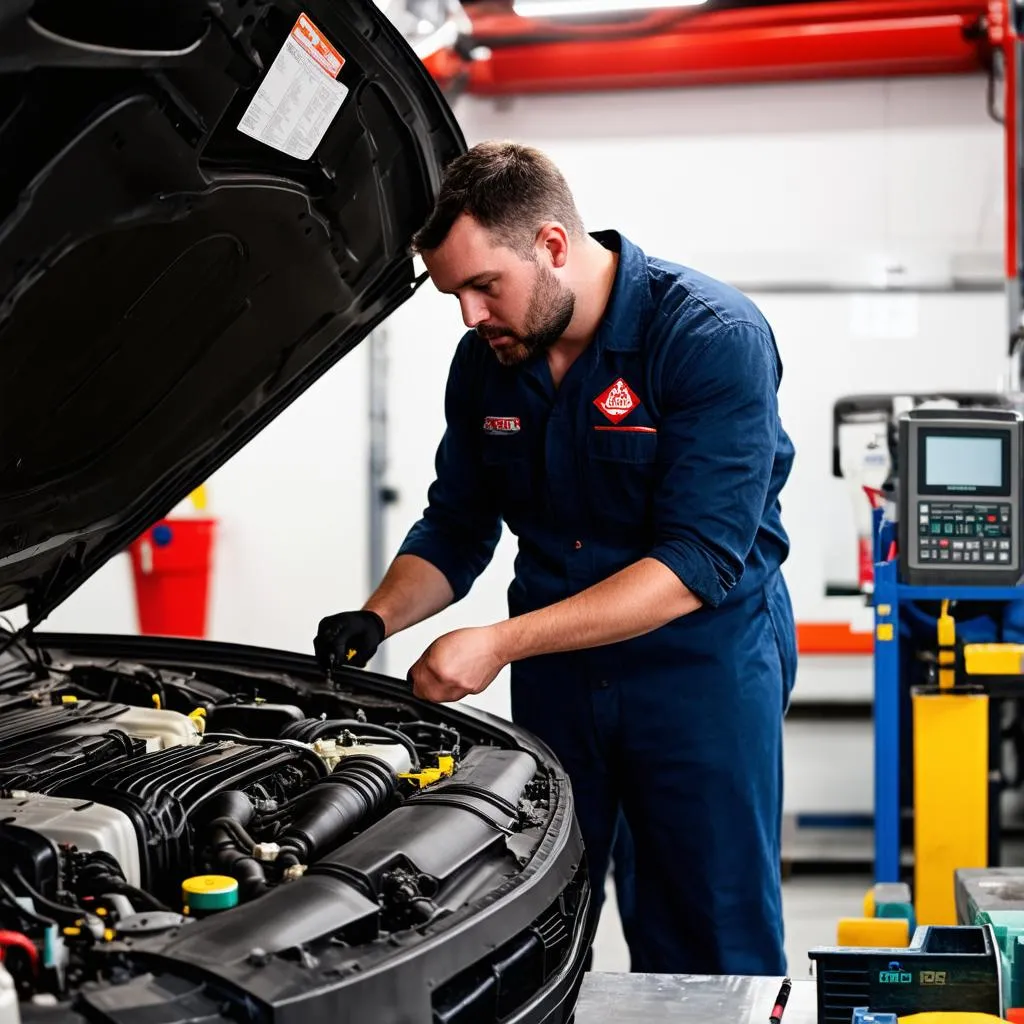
column 840, row 39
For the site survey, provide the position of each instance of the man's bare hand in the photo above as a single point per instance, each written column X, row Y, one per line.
column 456, row 664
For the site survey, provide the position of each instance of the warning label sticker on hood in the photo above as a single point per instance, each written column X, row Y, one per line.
column 300, row 95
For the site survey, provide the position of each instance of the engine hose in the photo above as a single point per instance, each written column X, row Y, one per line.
column 99, row 862
column 16, row 940
column 63, row 914
column 231, row 803
column 18, row 910
column 240, row 865
column 239, row 836
column 139, row 898
column 102, row 874
column 335, row 806
column 441, row 730
column 312, row 729
column 480, row 793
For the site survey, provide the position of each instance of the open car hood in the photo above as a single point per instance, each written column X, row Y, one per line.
column 203, row 206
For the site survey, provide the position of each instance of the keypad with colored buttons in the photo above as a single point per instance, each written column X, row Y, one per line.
column 964, row 532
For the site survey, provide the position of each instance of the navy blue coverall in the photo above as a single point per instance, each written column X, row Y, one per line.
column 663, row 440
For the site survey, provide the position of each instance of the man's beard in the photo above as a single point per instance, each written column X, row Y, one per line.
column 547, row 319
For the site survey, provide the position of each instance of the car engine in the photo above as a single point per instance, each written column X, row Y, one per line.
column 219, row 818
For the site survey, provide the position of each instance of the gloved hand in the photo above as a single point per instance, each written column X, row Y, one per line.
column 351, row 638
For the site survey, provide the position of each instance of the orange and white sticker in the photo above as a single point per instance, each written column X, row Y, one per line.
column 300, row 95
column 308, row 36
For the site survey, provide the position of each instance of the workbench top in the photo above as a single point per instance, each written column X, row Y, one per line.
column 607, row 998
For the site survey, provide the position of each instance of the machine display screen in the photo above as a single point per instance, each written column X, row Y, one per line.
column 964, row 463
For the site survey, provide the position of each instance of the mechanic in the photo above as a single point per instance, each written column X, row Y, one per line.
column 619, row 413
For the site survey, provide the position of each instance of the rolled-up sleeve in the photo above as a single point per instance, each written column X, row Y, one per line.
column 717, row 445
column 461, row 525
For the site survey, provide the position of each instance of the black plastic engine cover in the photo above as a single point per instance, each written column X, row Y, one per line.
column 267, row 721
column 31, row 855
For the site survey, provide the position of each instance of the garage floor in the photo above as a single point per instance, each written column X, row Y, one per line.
column 813, row 906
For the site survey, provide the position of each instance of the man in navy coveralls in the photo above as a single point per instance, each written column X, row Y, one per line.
column 619, row 413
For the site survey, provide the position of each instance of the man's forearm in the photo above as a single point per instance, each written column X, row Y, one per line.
column 412, row 590
column 637, row 600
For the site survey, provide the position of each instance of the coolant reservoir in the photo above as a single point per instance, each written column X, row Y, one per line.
column 332, row 752
column 159, row 728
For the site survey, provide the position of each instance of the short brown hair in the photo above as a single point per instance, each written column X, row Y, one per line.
column 509, row 189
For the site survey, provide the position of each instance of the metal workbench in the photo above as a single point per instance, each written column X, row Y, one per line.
column 690, row 999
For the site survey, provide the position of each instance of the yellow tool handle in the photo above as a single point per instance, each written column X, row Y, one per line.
column 955, row 1017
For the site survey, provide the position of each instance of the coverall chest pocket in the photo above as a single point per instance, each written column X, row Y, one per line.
column 621, row 475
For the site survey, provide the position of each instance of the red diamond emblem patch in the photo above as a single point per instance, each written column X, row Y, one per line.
column 618, row 401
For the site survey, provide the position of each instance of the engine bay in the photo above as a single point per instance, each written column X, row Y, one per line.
column 216, row 819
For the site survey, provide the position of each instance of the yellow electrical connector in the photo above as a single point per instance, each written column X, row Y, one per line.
column 947, row 645
column 426, row 776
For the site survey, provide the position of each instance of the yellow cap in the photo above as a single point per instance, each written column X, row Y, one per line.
column 68, row 699
column 210, row 892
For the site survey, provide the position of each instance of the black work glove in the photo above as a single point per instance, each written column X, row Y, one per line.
column 351, row 638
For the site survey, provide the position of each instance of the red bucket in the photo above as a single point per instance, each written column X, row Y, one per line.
column 171, row 564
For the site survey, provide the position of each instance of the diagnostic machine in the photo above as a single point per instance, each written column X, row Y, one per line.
column 960, row 507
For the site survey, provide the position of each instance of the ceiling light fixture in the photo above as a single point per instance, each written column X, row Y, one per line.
column 575, row 8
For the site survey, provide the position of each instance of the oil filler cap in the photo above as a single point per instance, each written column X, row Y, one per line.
column 209, row 892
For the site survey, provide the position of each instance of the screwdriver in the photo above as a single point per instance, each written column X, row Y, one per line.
column 780, row 1002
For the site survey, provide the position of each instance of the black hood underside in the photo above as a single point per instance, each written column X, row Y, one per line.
column 169, row 284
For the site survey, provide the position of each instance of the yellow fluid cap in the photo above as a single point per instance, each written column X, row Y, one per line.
column 68, row 699
column 210, row 892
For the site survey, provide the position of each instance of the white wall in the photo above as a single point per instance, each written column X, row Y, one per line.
column 826, row 182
